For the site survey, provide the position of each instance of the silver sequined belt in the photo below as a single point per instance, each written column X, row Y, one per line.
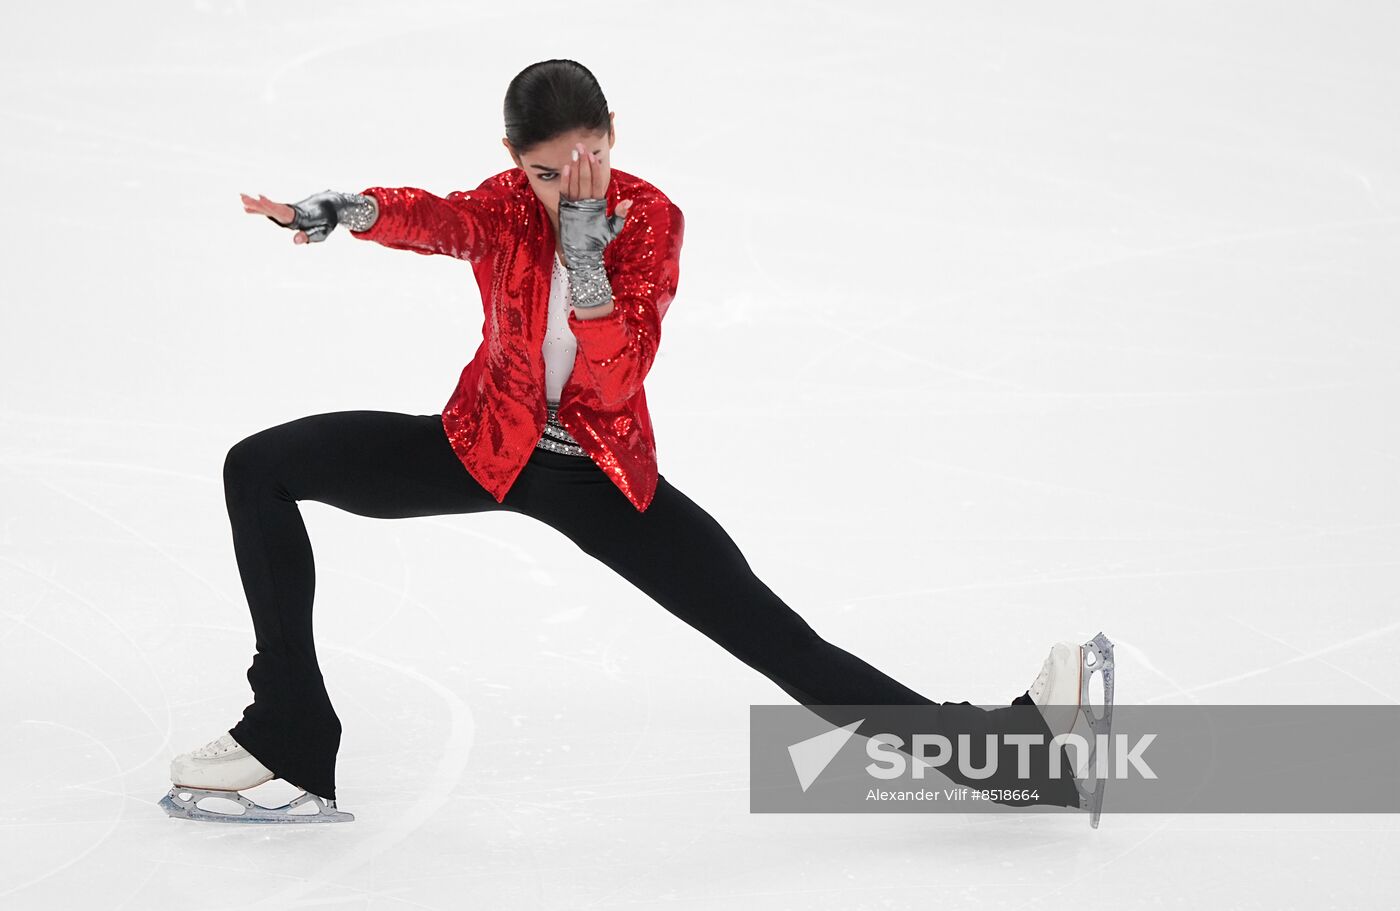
column 556, row 438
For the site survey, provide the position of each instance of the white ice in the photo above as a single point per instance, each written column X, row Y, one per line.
column 998, row 324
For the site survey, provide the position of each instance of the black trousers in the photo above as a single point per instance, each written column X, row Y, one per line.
column 388, row 465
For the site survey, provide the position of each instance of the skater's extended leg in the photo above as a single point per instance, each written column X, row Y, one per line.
column 678, row 554
column 373, row 463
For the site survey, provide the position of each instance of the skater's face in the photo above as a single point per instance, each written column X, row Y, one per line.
column 544, row 164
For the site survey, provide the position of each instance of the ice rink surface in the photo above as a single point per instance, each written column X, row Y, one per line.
column 998, row 324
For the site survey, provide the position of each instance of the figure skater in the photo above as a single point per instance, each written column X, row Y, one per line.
column 577, row 263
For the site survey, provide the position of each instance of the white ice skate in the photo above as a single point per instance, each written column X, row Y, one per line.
column 221, row 768
column 1061, row 692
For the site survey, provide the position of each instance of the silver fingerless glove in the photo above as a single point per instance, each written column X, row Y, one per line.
column 584, row 231
column 318, row 214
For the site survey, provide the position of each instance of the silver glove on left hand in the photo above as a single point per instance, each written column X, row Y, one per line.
column 585, row 230
column 319, row 213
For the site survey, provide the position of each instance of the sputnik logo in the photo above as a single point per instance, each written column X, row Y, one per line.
column 811, row 756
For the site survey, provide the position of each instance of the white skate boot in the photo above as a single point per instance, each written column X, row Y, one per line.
column 221, row 768
column 1061, row 692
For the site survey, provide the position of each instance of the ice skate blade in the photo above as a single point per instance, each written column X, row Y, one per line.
column 183, row 803
column 1097, row 657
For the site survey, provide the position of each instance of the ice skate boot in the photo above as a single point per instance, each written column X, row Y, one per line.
column 222, row 768
column 1061, row 692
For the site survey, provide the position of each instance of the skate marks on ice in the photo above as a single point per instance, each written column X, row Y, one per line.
column 1303, row 656
column 116, row 820
column 878, row 327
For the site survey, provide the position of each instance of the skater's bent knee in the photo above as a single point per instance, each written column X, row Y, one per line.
column 249, row 460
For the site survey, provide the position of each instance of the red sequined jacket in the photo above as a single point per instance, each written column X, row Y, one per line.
column 497, row 412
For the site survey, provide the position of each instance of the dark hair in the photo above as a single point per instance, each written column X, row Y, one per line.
column 550, row 98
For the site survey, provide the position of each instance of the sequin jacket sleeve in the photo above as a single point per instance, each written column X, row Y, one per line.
column 463, row 225
column 618, row 349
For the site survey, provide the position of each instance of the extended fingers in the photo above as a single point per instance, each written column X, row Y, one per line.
column 577, row 171
column 259, row 206
column 570, row 187
column 583, row 175
column 264, row 206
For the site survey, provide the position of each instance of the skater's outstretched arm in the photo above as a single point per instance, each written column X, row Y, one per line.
column 463, row 225
column 316, row 216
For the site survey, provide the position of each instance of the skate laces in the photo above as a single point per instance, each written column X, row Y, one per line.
column 1042, row 680
column 219, row 746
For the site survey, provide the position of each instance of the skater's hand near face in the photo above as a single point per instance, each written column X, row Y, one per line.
column 585, row 177
column 584, row 227
column 588, row 178
column 279, row 212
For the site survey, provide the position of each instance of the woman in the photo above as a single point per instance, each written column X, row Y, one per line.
column 577, row 264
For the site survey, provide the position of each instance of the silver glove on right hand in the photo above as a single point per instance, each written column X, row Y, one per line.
column 318, row 214
column 585, row 229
